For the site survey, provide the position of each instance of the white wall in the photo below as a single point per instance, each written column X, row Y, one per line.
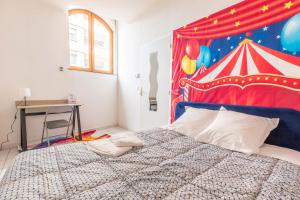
column 159, row 20
column 33, row 44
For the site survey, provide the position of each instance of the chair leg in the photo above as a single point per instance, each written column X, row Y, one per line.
column 70, row 119
column 48, row 141
column 43, row 133
column 68, row 130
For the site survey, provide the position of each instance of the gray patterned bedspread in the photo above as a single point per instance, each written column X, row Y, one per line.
column 169, row 166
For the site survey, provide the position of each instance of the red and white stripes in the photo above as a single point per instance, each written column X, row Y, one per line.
column 186, row 93
column 250, row 58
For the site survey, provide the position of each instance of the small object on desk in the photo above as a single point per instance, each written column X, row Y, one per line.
column 71, row 98
column 33, row 104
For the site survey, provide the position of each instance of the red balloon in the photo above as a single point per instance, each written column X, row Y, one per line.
column 192, row 49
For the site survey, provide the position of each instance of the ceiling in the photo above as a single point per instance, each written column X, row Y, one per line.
column 122, row 10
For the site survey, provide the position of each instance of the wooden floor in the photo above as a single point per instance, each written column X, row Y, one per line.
column 7, row 156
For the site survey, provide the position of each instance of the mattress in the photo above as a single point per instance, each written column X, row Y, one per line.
column 169, row 166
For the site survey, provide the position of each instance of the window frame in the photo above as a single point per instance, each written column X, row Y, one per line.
column 91, row 18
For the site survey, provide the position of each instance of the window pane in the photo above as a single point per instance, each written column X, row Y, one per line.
column 102, row 47
column 79, row 40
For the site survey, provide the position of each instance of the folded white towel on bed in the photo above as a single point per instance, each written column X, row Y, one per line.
column 126, row 139
column 106, row 147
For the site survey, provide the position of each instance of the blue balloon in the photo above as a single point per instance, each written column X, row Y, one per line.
column 204, row 57
column 290, row 38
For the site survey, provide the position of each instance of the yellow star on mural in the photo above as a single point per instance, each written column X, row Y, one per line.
column 216, row 21
column 265, row 8
column 288, row 5
column 195, row 29
column 232, row 11
column 237, row 24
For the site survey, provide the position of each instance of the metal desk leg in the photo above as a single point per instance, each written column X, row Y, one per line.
column 73, row 121
column 23, row 130
column 78, row 123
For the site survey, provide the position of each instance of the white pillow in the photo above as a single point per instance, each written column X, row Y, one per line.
column 238, row 131
column 193, row 121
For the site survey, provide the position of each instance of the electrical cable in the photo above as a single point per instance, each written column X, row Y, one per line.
column 11, row 126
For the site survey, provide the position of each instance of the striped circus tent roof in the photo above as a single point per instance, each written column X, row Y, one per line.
column 249, row 64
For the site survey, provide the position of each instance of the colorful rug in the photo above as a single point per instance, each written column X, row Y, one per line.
column 58, row 140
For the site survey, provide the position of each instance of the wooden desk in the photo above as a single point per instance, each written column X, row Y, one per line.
column 45, row 104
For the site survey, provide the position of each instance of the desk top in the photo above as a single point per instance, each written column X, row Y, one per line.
column 44, row 104
column 48, row 105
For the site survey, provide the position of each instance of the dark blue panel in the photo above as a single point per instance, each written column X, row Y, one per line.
column 268, row 36
column 287, row 134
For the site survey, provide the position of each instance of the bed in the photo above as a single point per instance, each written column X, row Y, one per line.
column 169, row 166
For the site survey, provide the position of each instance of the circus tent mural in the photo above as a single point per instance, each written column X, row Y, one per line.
column 249, row 64
column 248, row 54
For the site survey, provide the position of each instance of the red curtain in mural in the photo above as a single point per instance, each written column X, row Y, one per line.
column 247, row 54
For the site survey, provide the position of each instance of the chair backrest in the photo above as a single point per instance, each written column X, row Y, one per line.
column 60, row 110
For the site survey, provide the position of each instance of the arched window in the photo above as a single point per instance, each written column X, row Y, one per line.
column 91, row 42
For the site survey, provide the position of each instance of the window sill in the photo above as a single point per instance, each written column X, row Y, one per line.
column 73, row 68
